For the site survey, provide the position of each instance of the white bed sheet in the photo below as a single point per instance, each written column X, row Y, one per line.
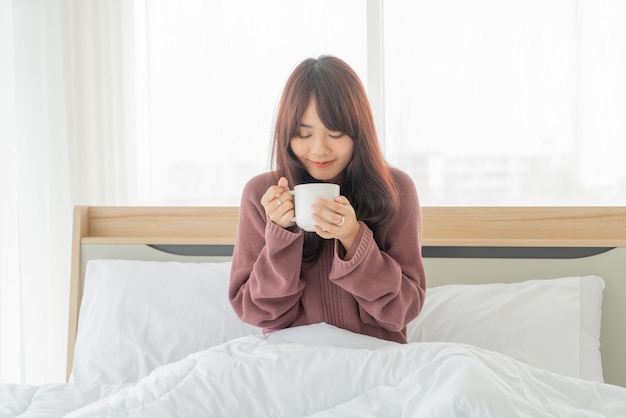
column 322, row 371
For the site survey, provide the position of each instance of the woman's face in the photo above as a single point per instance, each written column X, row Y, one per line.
column 322, row 152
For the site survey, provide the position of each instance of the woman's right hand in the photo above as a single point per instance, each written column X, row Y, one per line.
column 278, row 204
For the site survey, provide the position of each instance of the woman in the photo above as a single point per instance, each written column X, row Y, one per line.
column 361, row 269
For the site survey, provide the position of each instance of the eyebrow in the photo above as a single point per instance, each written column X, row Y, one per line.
column 304, row 125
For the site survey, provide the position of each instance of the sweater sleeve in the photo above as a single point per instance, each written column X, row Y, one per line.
column 388, row 285
column 265, row 286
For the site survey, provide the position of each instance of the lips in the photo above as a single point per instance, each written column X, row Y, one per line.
column 321, row 164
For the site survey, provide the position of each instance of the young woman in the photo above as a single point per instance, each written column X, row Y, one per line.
column 361, row 269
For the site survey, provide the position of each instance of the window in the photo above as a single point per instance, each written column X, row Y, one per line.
column 485, row 103
column 508, row 102
column 213, row 73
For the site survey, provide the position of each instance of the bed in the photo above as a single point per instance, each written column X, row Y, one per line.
column 523, row 317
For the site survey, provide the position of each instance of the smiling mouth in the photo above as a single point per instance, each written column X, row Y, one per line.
column 321, row 164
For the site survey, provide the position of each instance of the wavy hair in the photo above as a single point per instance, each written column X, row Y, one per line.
column 342, row 106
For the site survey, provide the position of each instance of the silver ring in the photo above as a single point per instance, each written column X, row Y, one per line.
column 279, row 202
column 343, row 219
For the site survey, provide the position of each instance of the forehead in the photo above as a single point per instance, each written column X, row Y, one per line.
column 322, row 118
column 310, row 117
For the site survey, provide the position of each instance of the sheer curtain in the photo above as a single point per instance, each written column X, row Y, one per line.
column 209, row 75
column 62, row 124
column 35, row 191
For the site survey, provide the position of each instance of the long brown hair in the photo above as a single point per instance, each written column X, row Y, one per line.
column 343, row 106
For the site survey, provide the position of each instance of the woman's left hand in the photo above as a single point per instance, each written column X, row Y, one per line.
column 336, row 219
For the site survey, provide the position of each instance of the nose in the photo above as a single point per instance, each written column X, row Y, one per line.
column 319, row 146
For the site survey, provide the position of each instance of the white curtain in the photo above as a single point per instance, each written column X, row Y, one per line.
column 209, row 75
column 35, row 192
column 62, row 125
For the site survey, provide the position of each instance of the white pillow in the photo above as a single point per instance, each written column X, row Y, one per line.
column 138, row 315
column 552, row 324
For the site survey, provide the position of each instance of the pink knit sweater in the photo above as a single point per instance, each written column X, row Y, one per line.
column 368, row 291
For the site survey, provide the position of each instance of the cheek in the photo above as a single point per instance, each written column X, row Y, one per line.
column 297, row 148
column 348, row 150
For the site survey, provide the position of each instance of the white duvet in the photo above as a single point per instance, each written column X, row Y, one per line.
column 321, row 371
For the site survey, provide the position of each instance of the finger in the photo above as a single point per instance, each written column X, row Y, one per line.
column 332, row 211
column 287, row 218
column 284, row 196
column 324, row 222
column 276, row 192
column 342, row 200
column 282, row 182
column 330, row 218
column 270, row 194
column 284, row 217
column 325, row 231
column 279, row 204
column 339, row 204
column 322, row 232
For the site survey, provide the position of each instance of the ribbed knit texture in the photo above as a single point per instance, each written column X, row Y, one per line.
column 369, row 291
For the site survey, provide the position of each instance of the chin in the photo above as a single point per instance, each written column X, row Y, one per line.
column 322, row 177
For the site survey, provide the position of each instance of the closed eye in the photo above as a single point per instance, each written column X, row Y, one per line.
column 336, row 135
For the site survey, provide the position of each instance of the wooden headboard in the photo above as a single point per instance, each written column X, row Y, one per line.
column 453, row 230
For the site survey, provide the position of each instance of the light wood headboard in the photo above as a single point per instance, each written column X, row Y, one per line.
column 508, row 228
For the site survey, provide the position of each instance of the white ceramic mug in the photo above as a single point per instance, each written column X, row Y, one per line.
column 305, row 196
